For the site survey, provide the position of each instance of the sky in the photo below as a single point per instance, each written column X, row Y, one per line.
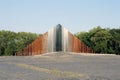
column 38, row 16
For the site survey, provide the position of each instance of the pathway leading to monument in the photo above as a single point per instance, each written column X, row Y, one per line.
column 60, row 67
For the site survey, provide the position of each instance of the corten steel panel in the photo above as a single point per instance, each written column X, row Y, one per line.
column 25, row 51
column 83, row 48
column 88, row 49
column 40, row 45
column 70, row 42
column 33, row 51
column 45, row 43
column 30, row 49
column 76, row 45
column 80, row 47
column 91, row 51
column 35, row 47
column 19, row 53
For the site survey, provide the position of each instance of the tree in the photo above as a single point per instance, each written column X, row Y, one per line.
column 11, row 42
column 102, row 40
column 115, row 42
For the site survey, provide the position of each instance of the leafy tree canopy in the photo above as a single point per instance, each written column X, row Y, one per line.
column 102, row 40
column 11, row 42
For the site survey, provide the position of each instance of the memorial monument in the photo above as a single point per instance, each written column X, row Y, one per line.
column 57, row 39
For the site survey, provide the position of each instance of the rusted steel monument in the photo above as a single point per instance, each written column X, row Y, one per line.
column 56, row 39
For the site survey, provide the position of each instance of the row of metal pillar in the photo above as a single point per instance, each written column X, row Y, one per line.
column 40, row 46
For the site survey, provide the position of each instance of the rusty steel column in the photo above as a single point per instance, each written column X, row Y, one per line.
column 70, row 42
column 24, row 51
column 80, row 47
column 19, row 53
column 76, row 44
column 33, row 48
column 39, row 45
column 30, row 49
column 45, row 43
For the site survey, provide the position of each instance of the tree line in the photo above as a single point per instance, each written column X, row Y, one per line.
column 102, row 40
column 11, row 42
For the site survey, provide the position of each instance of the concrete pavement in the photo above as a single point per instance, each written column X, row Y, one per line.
column 60, row 66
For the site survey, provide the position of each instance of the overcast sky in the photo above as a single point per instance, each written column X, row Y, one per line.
column 38, row 16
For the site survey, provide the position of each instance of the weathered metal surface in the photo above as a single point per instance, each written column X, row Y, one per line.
column 33, row 48
column 19, row 53
column 30, row 49
column 70, row 42
column 56, row 39
column 45, row 43
column 36, row 52
column 25, row 51
column 39, row 45
column 76, row 47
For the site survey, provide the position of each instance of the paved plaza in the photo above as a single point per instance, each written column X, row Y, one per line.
column 60, row 66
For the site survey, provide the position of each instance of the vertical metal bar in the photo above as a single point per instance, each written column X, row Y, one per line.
column 58, row 37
